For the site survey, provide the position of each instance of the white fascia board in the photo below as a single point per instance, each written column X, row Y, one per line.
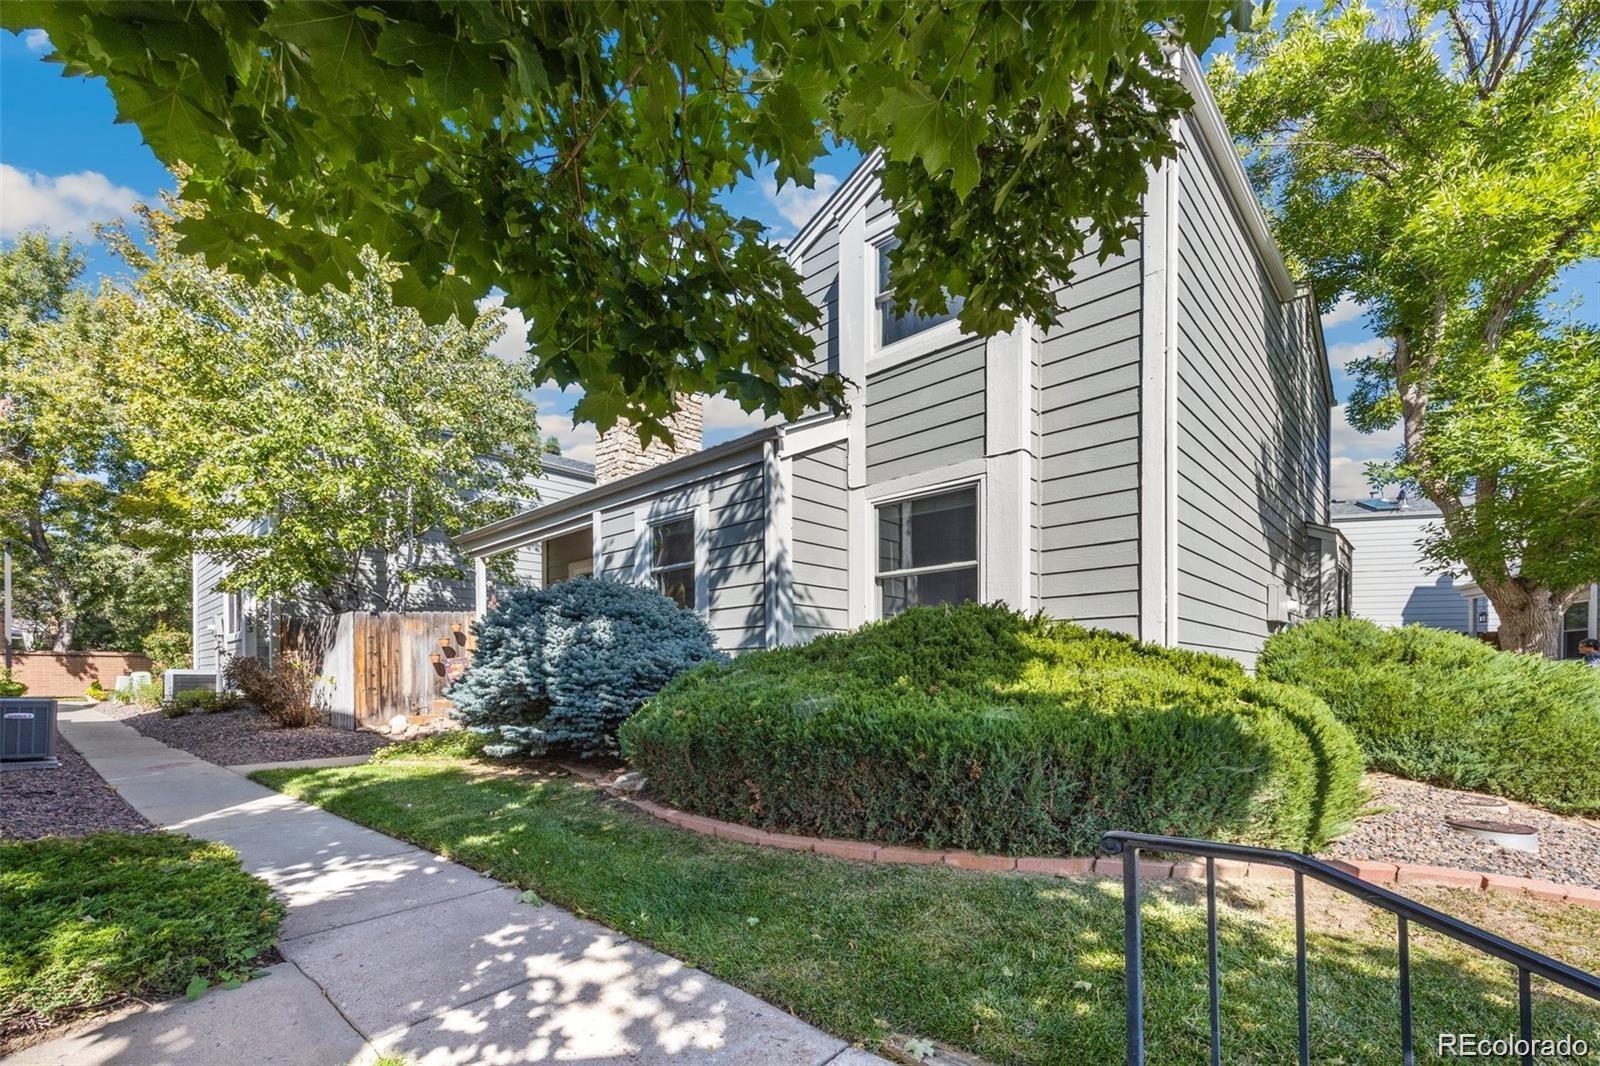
column 854, row 191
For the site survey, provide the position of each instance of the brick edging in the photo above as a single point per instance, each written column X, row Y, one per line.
column 1376, row 872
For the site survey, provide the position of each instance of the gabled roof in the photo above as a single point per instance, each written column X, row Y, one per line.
column 500, row 535
column 1380, row 508
column 860, row 186
column 560, row 464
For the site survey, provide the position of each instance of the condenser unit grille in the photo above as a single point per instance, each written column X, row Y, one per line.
column 27, row 732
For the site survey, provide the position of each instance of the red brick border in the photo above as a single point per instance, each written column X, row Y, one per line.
column 1379, row 873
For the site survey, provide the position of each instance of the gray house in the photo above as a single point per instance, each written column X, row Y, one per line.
column 233, row 624
column 1157, row 463
column 1394, row 587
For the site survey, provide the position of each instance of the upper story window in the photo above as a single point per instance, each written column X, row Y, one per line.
column 928, row 550
column 896, row 323
column 672, row 559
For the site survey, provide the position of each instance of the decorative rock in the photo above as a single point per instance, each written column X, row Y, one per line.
column 632, row 781
column 398, row 724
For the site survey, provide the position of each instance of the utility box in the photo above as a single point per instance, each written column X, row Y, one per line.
column 27, row 734
column 176, row 681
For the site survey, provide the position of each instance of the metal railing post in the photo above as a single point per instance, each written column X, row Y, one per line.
column 1408, row 911
column 1133, row 956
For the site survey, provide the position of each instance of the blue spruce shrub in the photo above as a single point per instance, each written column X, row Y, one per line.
column 562, row 667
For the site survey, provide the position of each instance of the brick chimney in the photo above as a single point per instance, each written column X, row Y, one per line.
column 618, row 454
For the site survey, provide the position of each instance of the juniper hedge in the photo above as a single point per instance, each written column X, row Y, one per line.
column 1447, row 708
column 975, row 727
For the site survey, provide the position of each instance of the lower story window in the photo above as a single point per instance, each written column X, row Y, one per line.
column 928, row 551
column 672, row 559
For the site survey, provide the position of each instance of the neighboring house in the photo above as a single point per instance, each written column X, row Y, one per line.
column 1157, row 463
column 1393, row 586
column 237, row 624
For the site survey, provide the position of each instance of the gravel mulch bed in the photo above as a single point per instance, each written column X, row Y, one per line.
column 231, row 738
column 1411, row 828
column 70, row 800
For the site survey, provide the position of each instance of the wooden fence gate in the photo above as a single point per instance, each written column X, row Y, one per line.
column 378, row 665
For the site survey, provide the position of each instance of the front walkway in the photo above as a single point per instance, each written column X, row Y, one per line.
column 391, row 949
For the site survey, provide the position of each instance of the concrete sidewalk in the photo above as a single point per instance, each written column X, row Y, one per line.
column 393, row 950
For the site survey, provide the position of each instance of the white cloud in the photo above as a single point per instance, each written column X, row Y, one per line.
column 722, row 413
column 794, row 202
column 68, row 205
column 577, row 441
column 1346, row 310
column 1351, row 450
column 1348, row 479
column 36, row 41
column 1339, row 355
column 512, row 347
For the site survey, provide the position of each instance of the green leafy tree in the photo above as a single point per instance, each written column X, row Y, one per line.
column 323, row 446
column 1440, row 163
column 575, row 156
column 84, row 573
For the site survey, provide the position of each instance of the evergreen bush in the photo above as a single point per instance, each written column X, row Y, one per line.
column 1449, row 709
column 975, row 727
column 562, row 667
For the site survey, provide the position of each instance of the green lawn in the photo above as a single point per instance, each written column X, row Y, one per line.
column 1014, row 969
column 84, row 923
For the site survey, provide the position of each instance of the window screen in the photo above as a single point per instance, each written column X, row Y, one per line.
column 928, row 551
column 672, row 559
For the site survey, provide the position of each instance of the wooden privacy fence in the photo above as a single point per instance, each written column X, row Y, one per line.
column 378, row 665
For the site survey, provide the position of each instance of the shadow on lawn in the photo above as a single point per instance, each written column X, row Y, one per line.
column 1011, row 968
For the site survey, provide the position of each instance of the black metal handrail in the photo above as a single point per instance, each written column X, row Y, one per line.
column 1129, row 845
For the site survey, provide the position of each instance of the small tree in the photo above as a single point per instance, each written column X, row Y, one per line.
column 326, row 445
column 563, row 667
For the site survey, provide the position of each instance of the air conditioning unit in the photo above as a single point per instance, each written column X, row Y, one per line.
column 27, row 733
column 176, row 681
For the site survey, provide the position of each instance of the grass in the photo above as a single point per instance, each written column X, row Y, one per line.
column 85, row 923
column 1013, row 969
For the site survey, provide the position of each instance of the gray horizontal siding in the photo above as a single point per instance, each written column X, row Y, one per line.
column 820, row 543
column 547, row 488
column 926, row 413
column 1389, row 581
column 736, row 570
column 1251, row 431
column 209, row 604
column 820, row 273
column 1089, row 414
column 617, row 537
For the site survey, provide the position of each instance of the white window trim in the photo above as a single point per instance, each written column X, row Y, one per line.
column 695, row 504
column 890, row 494
column 930, row 340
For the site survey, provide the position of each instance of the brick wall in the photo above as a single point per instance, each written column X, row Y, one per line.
column 61, row 674
column 617, row 455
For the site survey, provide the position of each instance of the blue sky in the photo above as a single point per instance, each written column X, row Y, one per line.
column 65, row 164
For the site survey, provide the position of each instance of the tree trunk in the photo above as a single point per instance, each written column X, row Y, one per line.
column 1530, row 616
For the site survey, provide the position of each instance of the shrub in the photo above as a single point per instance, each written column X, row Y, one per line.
column 284, row 692
column 147, row 693
column 1446, row 708
column 111, row 915
column 200, row 701
column 974, row 727
column 10, row 687
column 456, row 744
column 168, row 649
column 562, row 667
column 96, row 692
